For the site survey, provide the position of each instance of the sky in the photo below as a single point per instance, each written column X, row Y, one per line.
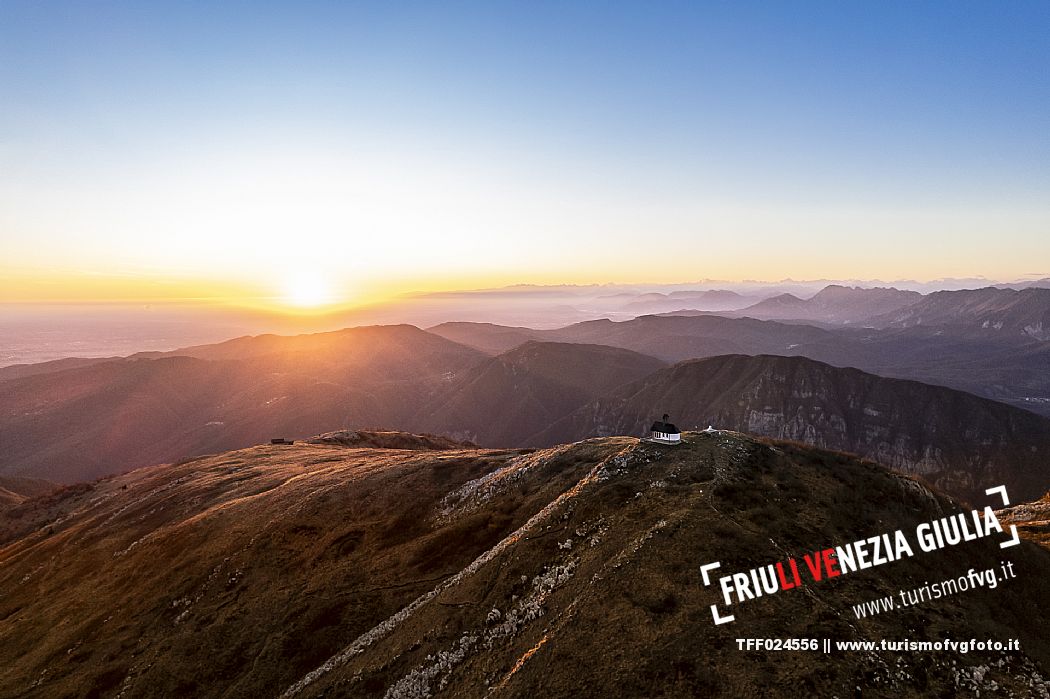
column 308, row 153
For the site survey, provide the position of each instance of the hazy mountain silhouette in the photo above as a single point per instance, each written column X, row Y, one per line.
column 1012, row 315
column 1012, row 367
column 713, row 300
column 833, row 304
column 671, row 338
column 17, row 371
column 487, row 337
column 523, row 391
column 108, row 417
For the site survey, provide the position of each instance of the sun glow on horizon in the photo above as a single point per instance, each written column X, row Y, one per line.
column 305, row 290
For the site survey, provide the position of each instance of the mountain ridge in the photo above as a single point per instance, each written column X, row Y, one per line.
column 81, row 423
column 960, row 442
column 525, row 389
column 833, row 304
column 1011, row 368
column 1020, row 313
column 306, row 570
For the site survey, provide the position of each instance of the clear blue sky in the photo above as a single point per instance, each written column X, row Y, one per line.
column 759, row 140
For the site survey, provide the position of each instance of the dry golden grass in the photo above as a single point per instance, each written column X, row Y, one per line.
column 573, row 571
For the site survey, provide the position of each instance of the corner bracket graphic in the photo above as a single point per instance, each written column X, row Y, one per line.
column 1016, row 538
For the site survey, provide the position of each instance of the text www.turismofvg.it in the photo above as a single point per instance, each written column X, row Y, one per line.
column 972, row 580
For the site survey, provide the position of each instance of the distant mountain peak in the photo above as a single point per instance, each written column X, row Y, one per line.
column 833, row 304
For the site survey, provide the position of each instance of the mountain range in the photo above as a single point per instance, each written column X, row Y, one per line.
column 985, row 341
column 1007, row 313
column 78, row 424
column 711, row 300
column 70, row 421
column 833, row 304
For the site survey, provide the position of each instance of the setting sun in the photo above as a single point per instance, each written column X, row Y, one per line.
column 307, row 291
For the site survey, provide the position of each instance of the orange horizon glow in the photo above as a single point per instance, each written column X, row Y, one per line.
column 299, row 290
